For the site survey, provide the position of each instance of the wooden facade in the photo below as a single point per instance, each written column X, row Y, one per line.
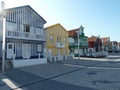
column 73, row 41
column 24, row 28
column 57, row 40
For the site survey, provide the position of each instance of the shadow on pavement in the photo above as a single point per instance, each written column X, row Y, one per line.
column 55, row 85
column 33, row 82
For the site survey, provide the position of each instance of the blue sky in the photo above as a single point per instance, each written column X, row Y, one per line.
column 98, row 17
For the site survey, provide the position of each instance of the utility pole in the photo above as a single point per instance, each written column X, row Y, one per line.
column 3, row 42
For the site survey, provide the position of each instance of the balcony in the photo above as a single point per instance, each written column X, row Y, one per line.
column 59, row 45
column 24, row 35
column 81, row 44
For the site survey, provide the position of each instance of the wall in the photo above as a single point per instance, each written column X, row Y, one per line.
column 18, row 46
column 55, row 31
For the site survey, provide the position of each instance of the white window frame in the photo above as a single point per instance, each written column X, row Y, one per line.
column 39, row 48
column 51, row 38
column 65, row 39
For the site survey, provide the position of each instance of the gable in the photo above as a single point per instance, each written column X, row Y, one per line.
column 56, row 27
column 24, row 15
column 36, row 14
column 61, row 27
column 72, row 33
column 75, row 32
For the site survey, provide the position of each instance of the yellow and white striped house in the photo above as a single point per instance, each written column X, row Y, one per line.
column 57, row 42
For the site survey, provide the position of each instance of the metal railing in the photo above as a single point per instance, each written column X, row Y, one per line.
column 81, row 43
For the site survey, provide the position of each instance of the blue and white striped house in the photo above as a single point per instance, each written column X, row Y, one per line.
column 25, row 36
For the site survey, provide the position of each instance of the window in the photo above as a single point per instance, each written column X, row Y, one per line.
column 10, row 46
column 51, row 38
column 39, row 47
column 26, row 28
column 15, row 15
column 65, row 40
column 58, row 39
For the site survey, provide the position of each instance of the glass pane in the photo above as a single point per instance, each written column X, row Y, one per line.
column 10, row 46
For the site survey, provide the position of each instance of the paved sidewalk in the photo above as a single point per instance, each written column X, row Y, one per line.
column 41, row 76
column 29, row 75
column 66, row 75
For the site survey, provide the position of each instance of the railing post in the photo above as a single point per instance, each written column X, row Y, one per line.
column 13, row 58
column 65, row 57
column 28, row 57
column 45, row 53
column 55, row 58
column 39, row 55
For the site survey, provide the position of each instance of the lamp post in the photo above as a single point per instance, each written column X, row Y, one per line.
column 3, row 47
column 3, row 42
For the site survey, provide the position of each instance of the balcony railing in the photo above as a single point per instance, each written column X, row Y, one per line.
column 60, row 45
column 82, row 44
column 24, row 35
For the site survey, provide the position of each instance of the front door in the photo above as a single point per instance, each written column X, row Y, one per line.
column 26, row 50
column 10, row 50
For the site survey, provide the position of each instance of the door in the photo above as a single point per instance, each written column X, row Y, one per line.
column 26, row 50
column 10, row 50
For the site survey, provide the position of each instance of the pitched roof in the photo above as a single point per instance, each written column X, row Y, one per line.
column 73, row 32
column 28, row 7
column 119, row 43
column 92, row 39
column 55, row 25
column 105, row 39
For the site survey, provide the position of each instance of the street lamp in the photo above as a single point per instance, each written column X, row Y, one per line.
column 3, row 43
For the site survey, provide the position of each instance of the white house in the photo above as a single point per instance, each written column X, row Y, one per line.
column 24, row 36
